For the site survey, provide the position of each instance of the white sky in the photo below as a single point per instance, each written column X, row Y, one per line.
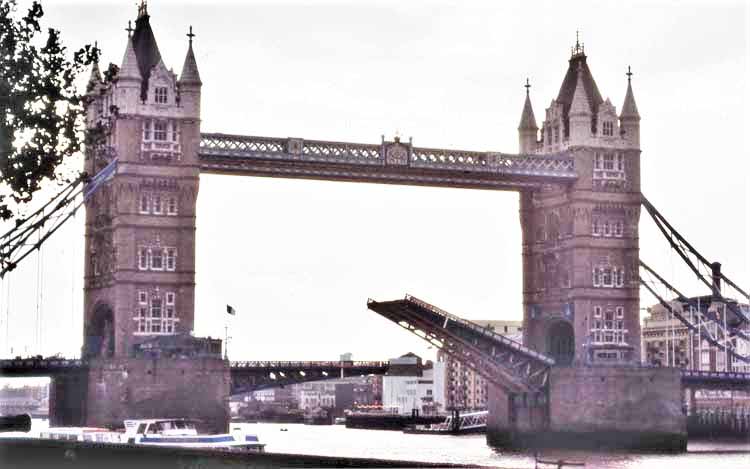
column 298, row 259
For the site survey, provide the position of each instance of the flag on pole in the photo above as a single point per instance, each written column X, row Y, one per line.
column 230, row 310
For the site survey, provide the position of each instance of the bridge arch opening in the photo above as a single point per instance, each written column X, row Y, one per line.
column 561, row 342
column 100, row 333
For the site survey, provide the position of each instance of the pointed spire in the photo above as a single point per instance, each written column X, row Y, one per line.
column 580, row 102
column 528, row 121
column 129, row 68
column 190, row 73
column 629, row 108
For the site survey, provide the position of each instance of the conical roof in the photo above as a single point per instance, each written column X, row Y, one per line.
column 146, row 49
column 95, row 78
column 580, row 104
column 577, row 66
column 629, row 108
column 129, row 68
column 528, row 121
column 190, row 73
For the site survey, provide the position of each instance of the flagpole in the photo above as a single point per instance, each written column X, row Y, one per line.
column 226, row 341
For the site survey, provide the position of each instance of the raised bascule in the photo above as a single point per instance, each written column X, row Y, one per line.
column 576, row 377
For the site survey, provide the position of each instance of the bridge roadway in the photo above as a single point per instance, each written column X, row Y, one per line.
column 388, row 162
column 246, row 376
column 250, row 376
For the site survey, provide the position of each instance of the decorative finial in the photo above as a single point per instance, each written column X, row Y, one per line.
column 130, row 29
column 190, row 35
column 527, row 86
column 629, row 74
column 578, row 48
column 143, row 9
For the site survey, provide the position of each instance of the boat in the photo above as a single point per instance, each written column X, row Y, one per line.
column 183, row 433
column 454, row 424
column 339, row 421
column 92, row 434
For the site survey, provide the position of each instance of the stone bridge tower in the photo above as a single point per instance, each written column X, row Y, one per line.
column 139, row 286
column 140, row 227
column 580, row 242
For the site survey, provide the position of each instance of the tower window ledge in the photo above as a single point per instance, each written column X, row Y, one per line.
column 609, row 175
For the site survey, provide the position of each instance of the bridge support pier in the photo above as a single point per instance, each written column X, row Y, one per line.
column 116, row 389
column 67, row 399
column 594, row 407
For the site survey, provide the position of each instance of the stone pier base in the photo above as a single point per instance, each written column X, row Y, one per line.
column 594, row 407
column 117, row 389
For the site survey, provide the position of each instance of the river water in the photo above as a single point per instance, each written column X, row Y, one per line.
column 337, row 440
column 341, row 441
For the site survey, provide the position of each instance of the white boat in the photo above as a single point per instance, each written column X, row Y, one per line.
column 97, row 435
column 182, row 433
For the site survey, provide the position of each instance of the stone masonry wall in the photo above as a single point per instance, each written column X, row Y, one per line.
column 131, row 388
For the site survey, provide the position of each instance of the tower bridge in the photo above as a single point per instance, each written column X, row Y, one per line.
column 576, row 375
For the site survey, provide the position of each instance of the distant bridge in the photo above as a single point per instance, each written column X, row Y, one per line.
column 246, row 376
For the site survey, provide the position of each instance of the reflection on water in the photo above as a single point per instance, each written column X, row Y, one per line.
column 337, row 440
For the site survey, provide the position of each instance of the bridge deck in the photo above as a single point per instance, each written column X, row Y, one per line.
column 504, row 362
column 388, row 162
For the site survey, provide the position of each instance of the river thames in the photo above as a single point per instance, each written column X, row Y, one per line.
column 337, row 440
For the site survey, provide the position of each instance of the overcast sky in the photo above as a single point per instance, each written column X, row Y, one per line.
column 298, row 259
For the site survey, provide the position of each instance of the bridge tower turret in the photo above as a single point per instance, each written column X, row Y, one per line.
column 580, row 242
column 140, row 226
column 527, row 128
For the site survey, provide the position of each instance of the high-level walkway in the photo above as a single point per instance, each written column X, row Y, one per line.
column 388, row 162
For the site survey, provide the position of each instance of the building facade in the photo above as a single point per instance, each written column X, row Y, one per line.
column 464, row 388
column 410, row 387
column 580, row 242
column 140, row 227
column 667, row 341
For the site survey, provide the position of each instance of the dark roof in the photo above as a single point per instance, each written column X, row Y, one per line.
column 568, row 88
column 146, row 50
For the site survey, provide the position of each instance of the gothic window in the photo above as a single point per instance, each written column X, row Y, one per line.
column 557, row 133
column 94, row 265
column 597, row 277
column 147, row 130
column 158, row 316
column 160, row 130
column 142, row 298
column 617, row 228
column 156, row 307
column 143, row 205
column 609, row 162
column 598, row 161
column 620, row 312
column 620, row 162
column 619, row 277
column 606, row 230
column 609, row 330
column 172, row 206
column 157, row 204
column 160, row 94
column 170, row 257
column 595, row 227
column 597, row 311
column 174, row 131
column 157, row 261
column 608, row 128
column 143, row 258
column 607, row 277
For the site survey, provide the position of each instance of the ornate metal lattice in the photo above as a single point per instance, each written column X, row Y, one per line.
column 392, row 162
